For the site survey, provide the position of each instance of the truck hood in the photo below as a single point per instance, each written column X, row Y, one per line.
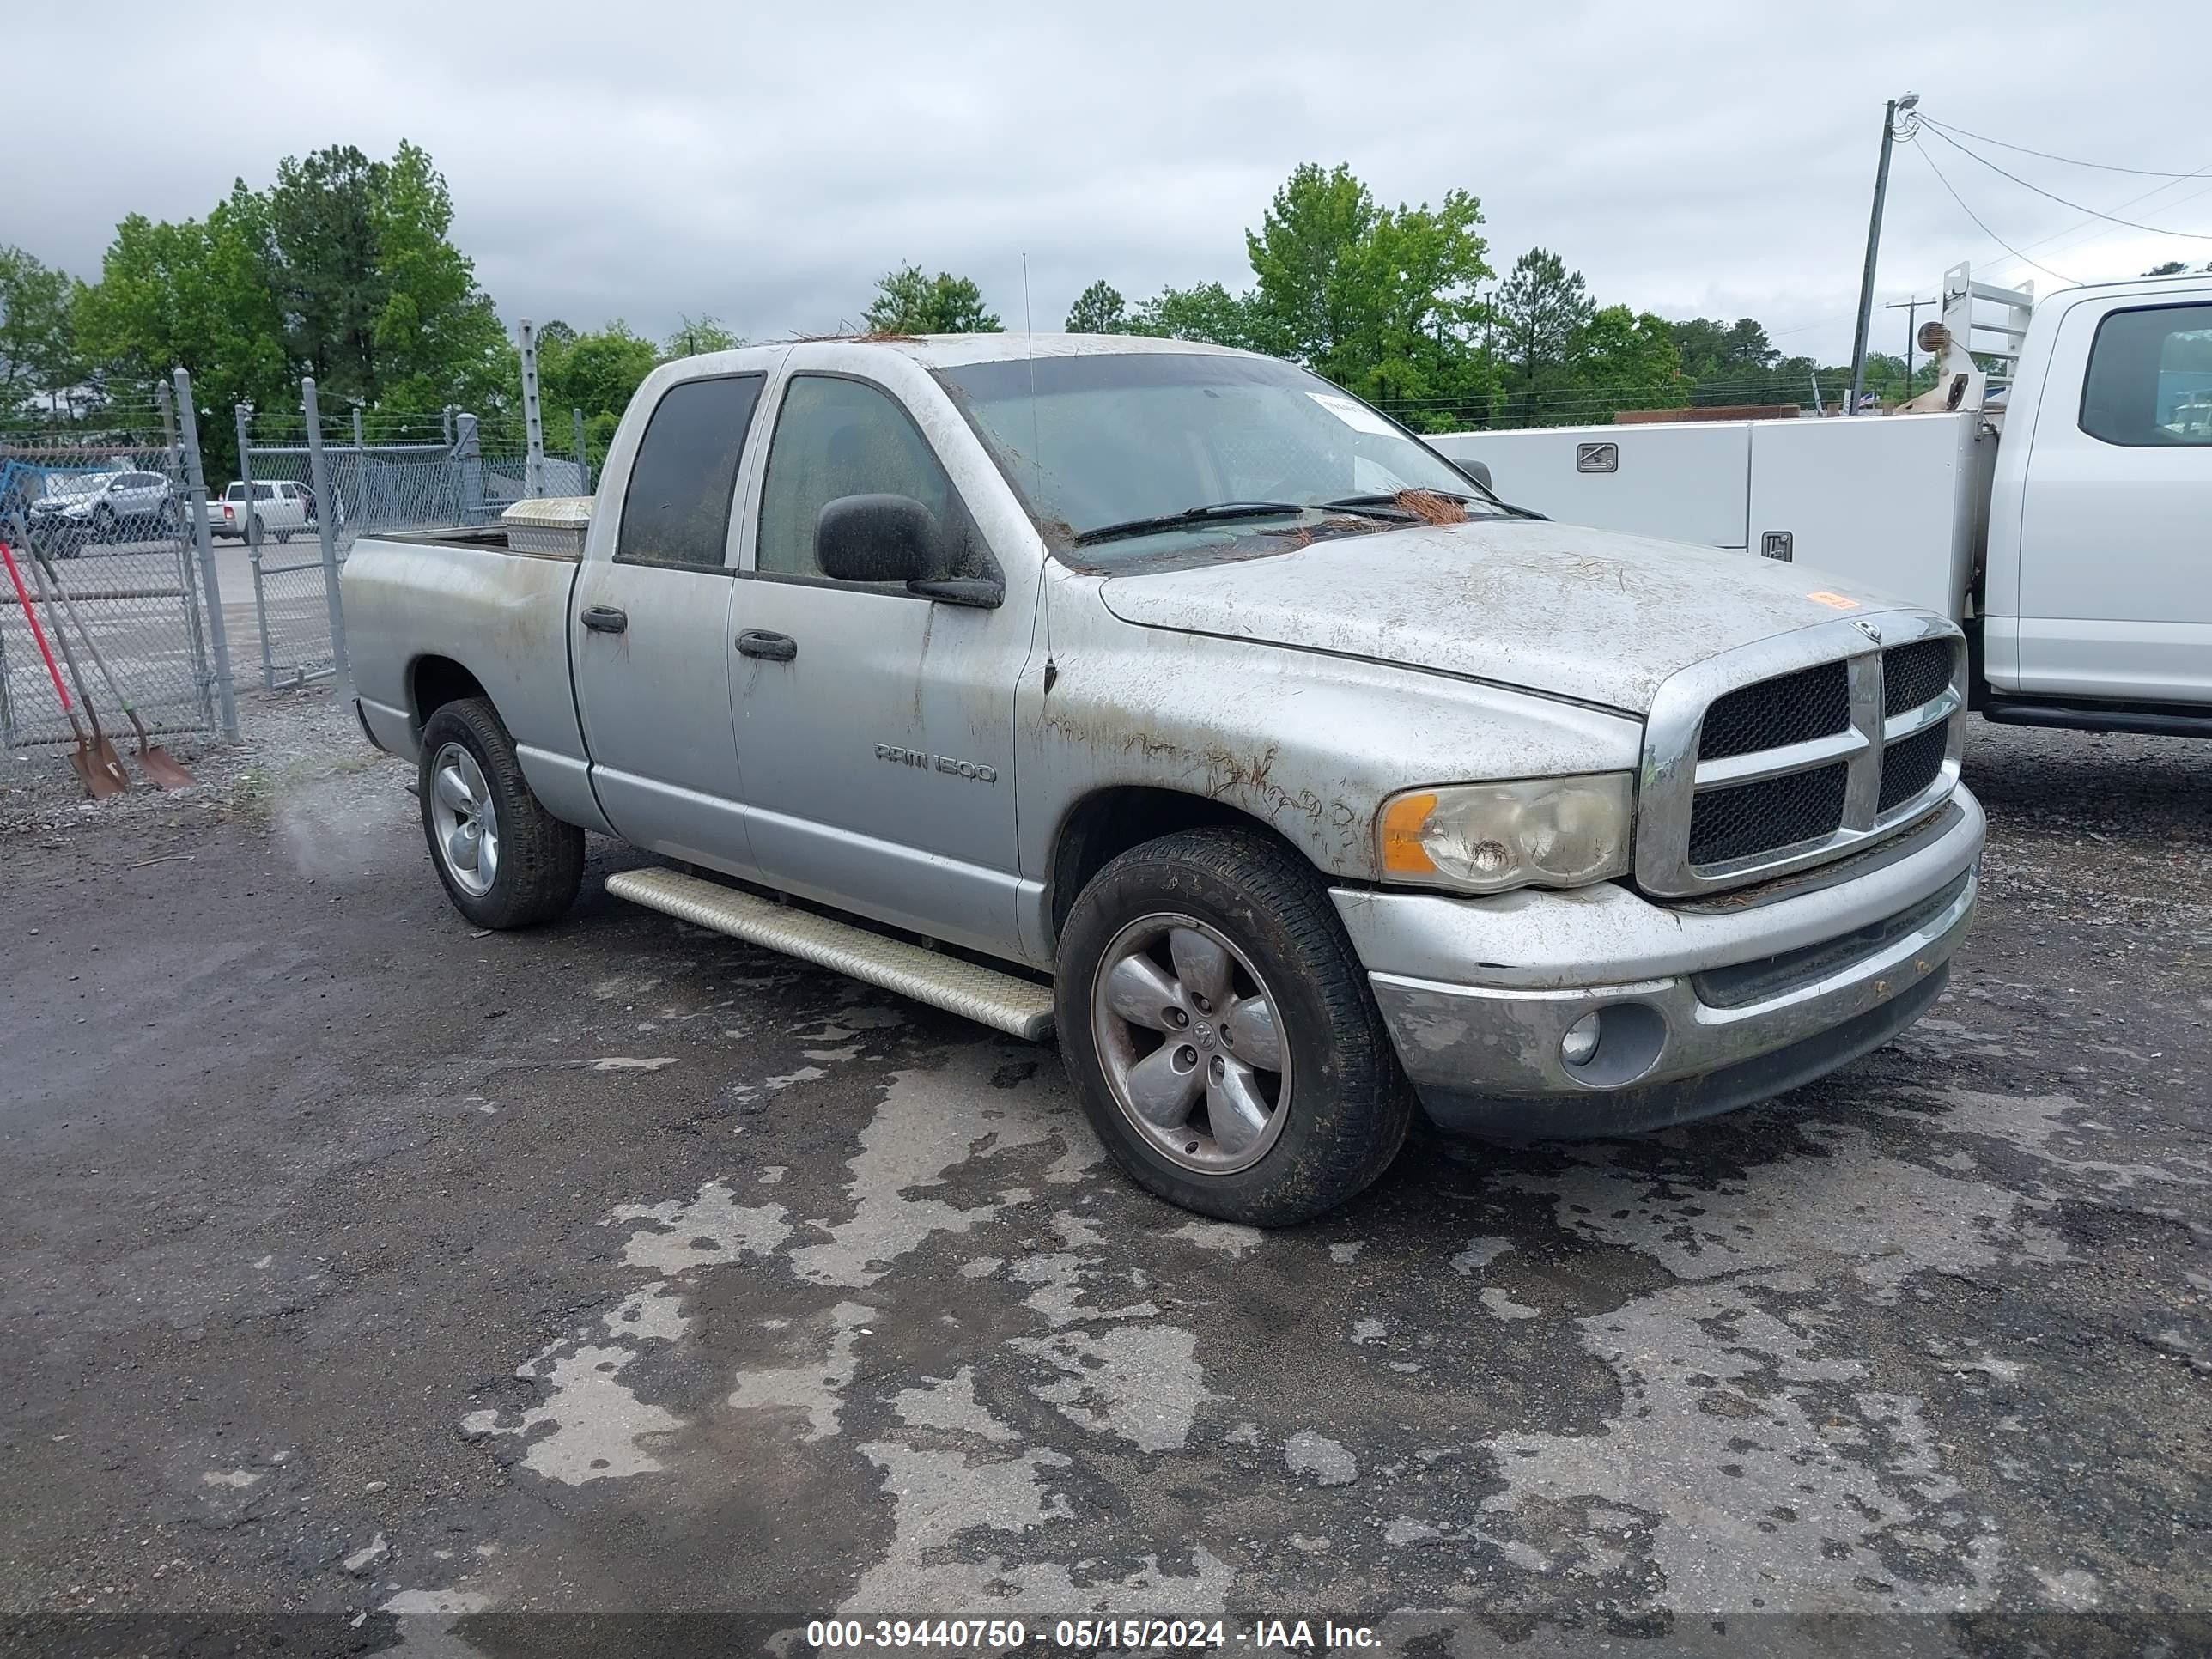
column 1585, row 614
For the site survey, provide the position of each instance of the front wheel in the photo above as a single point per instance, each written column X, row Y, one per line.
column 1221, row 1034
column 504, row 860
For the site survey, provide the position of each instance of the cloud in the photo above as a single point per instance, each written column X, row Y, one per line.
column 766, row 165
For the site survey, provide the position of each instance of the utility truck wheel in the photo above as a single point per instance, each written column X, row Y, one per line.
column 505, row 861
column 1221, row 1034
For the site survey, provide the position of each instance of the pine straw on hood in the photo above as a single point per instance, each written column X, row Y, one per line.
column 1429, row 508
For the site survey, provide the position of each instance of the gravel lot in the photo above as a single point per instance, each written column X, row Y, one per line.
column 439, row 1290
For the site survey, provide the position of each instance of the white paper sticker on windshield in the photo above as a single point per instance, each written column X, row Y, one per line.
column 1357, row 416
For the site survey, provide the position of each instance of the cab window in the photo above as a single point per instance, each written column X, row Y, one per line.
column 681, row 485
column 2149, row 381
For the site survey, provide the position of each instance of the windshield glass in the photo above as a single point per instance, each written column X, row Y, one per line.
column 1111, row 441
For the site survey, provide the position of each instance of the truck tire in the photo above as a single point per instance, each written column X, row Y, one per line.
column 1221, row 1034
column 505, row 861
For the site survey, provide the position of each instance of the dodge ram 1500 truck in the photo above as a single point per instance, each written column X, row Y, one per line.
column 1169, row 698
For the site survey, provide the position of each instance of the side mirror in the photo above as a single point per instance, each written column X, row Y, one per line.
column 1477, row 471
column 878, row 538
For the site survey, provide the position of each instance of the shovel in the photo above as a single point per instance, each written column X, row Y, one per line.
column 106, row 776
column 161, row 768
column 99, row 780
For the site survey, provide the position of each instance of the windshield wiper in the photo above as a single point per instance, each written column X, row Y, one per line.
column 1189, row 515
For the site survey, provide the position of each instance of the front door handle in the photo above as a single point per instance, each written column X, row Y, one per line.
column 605, row 618
column 772, row 647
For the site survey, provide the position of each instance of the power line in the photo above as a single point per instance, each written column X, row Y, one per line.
column 2069, row 161
column 2156, row 230
column 2070, row 235
column 1976, row 218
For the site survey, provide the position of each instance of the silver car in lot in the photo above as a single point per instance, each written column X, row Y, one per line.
column 81, row 509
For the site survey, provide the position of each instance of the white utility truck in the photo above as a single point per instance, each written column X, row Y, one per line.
column 2059, row 508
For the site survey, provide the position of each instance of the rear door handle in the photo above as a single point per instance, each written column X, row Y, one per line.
column 605, row 618
column 773, row 648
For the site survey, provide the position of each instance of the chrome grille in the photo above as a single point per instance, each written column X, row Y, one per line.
column 1796, row 749
column 1914, row 674
column 1756, row 817
column 1809, row 703
column 1910, row 766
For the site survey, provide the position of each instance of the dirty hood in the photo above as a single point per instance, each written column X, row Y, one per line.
column 1582, row 614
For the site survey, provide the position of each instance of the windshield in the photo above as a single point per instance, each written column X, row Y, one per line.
column 1111, row 443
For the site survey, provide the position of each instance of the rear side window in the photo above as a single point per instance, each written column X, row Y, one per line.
column 677, row 510
column 2149, row 383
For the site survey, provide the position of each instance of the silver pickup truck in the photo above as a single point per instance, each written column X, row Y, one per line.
column 1170, row 698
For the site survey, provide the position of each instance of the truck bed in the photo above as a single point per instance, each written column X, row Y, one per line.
column 428, row 601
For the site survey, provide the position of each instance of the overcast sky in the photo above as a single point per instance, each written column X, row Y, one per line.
column 766, row 165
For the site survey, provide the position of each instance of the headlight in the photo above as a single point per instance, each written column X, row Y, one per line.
column 1489, row 837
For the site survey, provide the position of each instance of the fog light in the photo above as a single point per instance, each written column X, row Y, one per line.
column 1580, row 1042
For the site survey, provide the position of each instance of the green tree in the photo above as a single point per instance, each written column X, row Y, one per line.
column 1411, row 305
column 909, row 302
column 195, row 295
column 696, row 335
column 1208, row 313
column 320, row 220
column 2170, row 268
column 437, row 336
column 345, row 269
column 38, row 333
column 596, row 372
column 1711, row 349
column 1314, row 277
column 1099, row 309
column 1541, row 312
column 1626, row 360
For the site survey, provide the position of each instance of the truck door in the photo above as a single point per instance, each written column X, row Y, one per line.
column 2115, row 584
column 649, row 631
column 875, row 726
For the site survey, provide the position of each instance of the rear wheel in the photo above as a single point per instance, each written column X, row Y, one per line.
column 504, row 860
column 1221, row 1032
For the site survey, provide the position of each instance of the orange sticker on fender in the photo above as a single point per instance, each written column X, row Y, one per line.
column 1834, row 601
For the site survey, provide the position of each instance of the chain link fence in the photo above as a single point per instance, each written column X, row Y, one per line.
column 108, row 586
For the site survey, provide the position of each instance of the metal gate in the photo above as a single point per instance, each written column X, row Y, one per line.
column 378, row 473
column 103, row 529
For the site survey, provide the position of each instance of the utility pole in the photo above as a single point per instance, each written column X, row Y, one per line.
column 1890, row 112
column 1911, row 308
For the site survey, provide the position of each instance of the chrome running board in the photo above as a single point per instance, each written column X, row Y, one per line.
column 1018, row 1007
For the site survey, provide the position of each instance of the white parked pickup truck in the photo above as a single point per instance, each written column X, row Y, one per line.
column 2067, row 524
column 1169, row 697
column 282, row 510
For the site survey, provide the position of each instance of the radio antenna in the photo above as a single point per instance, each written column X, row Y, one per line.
column 1036, row 462
column 1037, row 438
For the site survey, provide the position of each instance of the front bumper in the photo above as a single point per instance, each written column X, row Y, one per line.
column 1700, row 1008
